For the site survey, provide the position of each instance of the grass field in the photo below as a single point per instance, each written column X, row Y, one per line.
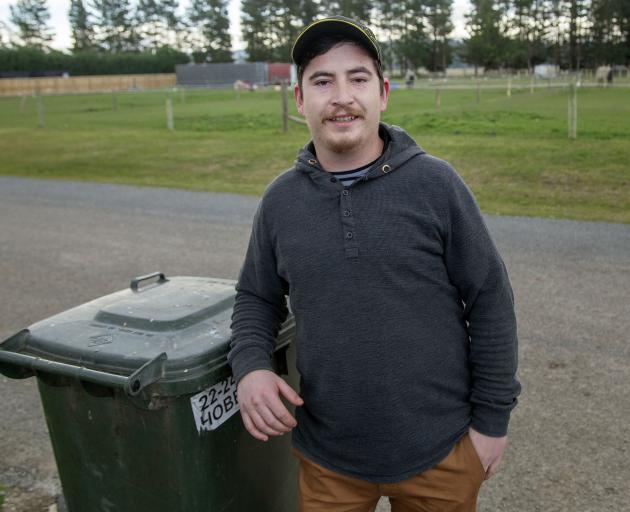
column 512, row 151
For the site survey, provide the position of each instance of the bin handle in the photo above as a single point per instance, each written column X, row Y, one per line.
column 149, row 373
column 137, row 280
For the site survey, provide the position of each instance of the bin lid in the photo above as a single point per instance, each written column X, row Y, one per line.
column 185, row 321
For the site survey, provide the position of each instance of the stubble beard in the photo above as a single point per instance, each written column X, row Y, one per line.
column 342, row 142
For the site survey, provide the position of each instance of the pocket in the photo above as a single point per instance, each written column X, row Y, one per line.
column 476, row 460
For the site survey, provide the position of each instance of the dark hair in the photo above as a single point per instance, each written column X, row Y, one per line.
column 324, row 45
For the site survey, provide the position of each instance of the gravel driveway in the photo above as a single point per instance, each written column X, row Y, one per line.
column 62, row 244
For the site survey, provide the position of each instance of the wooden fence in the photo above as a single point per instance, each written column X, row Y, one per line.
column 79, row 84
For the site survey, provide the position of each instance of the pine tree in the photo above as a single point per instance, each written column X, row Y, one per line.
column 82, row 30
column 437, row 14
column 487, row 43
column 285, row 21
column 577, row 14
column 210, row 20
column 31, row 18
column 150, row 23
column 531, row 22
column 258, row 31
column 114, row 25
column 174, row 25
column 386, row 16
column 411, row 42
column 357, row 9
column 623, row 9
column 309, row 11
column 610, row 32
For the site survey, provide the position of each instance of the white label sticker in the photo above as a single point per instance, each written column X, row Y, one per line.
column 215, row 405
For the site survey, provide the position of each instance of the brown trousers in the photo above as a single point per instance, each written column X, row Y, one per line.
column 450, row 486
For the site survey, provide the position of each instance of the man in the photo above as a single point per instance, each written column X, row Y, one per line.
column 405, row 327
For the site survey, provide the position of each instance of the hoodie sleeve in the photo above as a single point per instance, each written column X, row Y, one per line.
column 475, row 267
column 260, row 307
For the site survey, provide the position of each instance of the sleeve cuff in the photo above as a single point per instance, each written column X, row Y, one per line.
column 490, row 422
column 248, row 360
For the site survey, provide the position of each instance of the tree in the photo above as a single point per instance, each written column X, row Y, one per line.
column 174, row 25
column 437, row 14
column 487, row 43
column 577, row 13
column 270, row 27
column 255, row 29
column 309, row 10
column 82, row 30
column 114, row 26
column 410, row 47
column 213, row 26
column 554, row 11
column 624, row 27
column 610, row 32
column 530, row 24
column 150, row 29
column 385, row 20
column 31, row 18
column 357, row 9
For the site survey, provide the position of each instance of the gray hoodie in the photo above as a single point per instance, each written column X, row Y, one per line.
column 405, row 325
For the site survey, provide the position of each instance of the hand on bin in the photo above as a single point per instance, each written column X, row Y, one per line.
column 262, row 411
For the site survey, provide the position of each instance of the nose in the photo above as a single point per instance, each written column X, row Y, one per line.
column 343, row 95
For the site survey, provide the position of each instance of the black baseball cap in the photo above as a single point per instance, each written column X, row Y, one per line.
column 335, row 25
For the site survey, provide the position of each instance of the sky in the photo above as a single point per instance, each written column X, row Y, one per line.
column 59, row 20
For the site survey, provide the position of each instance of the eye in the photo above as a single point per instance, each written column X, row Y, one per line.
column 359, row 79
column 321, row 83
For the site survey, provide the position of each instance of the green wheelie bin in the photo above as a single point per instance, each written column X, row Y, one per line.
column 141, row 405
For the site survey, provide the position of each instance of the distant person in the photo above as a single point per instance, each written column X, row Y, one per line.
column 410, row 79
column 405, row 327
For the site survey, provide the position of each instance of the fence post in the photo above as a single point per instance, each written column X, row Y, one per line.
column 40, row 110
column 478, row 92
column 531, row 85
column 438, row 102
column 285, row 107
column 169, row 114
column 572, row 114
column 509, row 87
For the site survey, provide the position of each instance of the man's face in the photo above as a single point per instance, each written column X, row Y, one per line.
column 341, row 99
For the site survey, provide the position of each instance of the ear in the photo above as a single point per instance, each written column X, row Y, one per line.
column 299, row 101
column 385, row 94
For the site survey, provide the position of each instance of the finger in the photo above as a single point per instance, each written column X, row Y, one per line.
column 272, row 421
column 281, row 413
column 249, row 426
column 261, row 425
column 289, row 393
column 492, row 469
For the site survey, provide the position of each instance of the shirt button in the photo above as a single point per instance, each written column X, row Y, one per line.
column 349, row 235
column 346, row 213
column 345, row 193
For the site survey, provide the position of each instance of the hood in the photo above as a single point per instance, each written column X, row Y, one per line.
column 400, row 149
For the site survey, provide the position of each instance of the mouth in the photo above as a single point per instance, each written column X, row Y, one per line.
column 342, row 120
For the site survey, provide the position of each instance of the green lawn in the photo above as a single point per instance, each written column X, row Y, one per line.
column 512, row 151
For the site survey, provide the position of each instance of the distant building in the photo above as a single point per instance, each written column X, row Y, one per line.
column 226, row 74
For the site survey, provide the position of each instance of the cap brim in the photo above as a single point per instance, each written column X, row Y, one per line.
column 322, row 28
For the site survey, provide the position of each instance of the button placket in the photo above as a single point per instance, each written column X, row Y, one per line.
column 348, row 224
